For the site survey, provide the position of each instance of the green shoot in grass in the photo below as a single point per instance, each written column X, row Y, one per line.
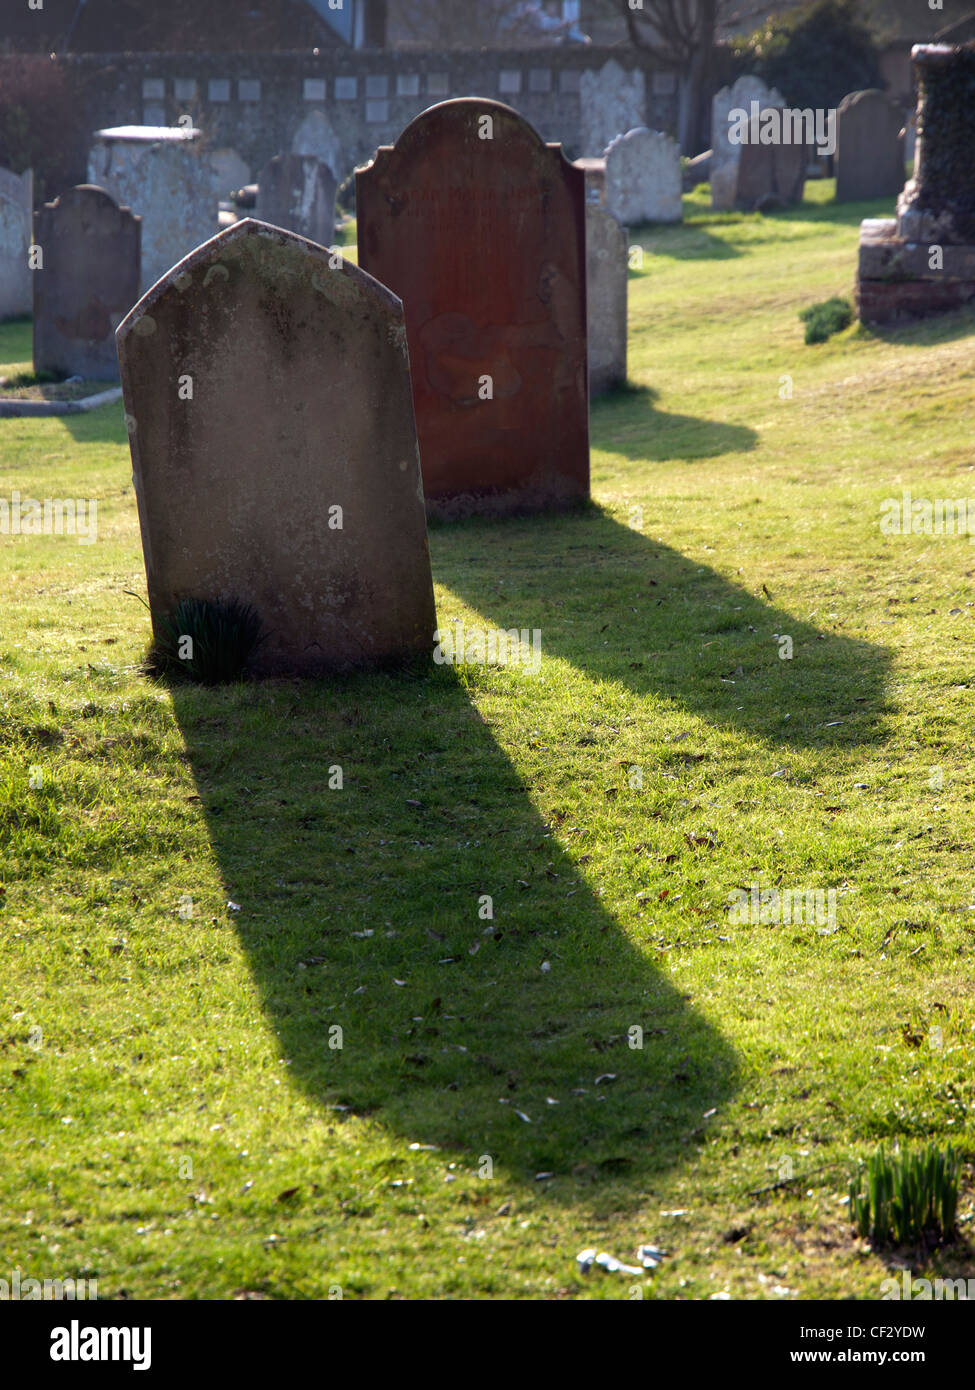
column 908, row 1198
column 204, row 641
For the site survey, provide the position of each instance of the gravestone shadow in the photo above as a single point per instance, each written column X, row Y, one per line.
column 359, row 909
column 626, row 609
column 659, row 436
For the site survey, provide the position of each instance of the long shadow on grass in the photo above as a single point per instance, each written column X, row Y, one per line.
column 626, row 609
column 364, row 908
column 656, row 435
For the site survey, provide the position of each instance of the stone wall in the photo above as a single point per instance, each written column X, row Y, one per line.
column 258, row 104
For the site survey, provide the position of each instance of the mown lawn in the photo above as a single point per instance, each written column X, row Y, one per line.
column 189, row 911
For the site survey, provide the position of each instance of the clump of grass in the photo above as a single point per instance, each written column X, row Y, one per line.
column 826, row 318
column 41, row 378
column 204, row 641
column 910, row 1198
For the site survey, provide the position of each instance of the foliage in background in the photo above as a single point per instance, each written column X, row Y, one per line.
column 815, row 56
column 37, row 115
column 909, row 1197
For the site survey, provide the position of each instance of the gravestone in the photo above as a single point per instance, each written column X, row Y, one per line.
column 162, row 174
column 298, row 192
column 724, row 153
column 89, row 282
column 923, row 262
column 16, row 211
column 643, row 178
column 479, row 227
column 611, row 100
column 594, row 172
column 230, row 172
column 267, row 392
column 607, row 275
column 869, row 147
column 768, row 175
column 316, row 135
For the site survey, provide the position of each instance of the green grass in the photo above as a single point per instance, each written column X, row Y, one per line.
column 175, row 1121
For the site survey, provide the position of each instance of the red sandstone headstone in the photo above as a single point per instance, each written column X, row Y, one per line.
column 479, row 227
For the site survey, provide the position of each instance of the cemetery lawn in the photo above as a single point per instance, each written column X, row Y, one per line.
column 189, row 911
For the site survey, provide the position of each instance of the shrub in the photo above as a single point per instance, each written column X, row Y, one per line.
column 909, row 1197
column 40, row 127
column 826, row 318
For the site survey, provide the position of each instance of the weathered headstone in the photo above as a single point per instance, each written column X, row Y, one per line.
column 725, row 153
column 479, row 227
column 267, row 391
column 16, row 211
column 89, row 282
column 298, row 192
column 607, row 275
column 317, row 136
column 610, row 102
column 229, row 170
column 869, row 147
column 643, row 178
column 768, row 174
column 924, row 261
column 162, row 174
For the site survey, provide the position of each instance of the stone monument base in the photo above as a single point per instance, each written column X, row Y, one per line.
column 895, row 279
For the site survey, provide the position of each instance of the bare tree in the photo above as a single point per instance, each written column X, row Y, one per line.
column 681, row 34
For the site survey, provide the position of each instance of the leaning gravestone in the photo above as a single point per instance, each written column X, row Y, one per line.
column 267, row 392
column 869, row 147
column 479, row 227
column 16, row 211
column 643, row 177
column 163, row 175
column 298, row 192
column 607, row 275
column 89, row 282
column 725, row 154
column 610, row 101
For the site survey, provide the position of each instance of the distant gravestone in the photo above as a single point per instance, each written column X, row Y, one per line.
column 607, row 274
column 298, row 192
column 316, row 135
column 643, row 177
column 724, row 153
column 89, row 282
column 230, row 172
column 869, row 147
column 161, row 173
column 611, row 101
column 267, row 392
column 769, row 175
column 479, row 227
column 16, row 211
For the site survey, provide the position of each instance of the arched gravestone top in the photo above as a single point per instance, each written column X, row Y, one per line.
column 484, row 241
column 300, row 402
column 89, row 282
column 869, row 147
